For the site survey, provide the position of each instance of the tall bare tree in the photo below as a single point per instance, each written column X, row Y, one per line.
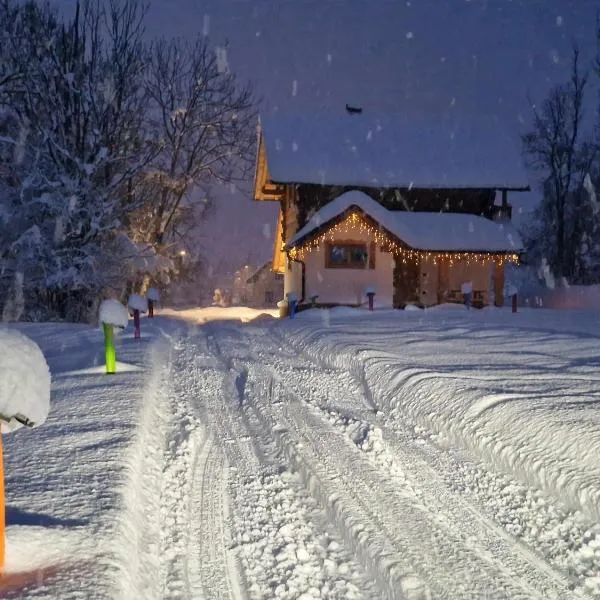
column 559, row 150
column 205, row 121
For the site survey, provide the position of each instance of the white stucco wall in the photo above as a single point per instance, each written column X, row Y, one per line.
column 347, row 286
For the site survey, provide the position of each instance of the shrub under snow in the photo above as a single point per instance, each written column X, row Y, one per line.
column 24, row 381
column 112, row 312
column 137, row 302
column 153, row 295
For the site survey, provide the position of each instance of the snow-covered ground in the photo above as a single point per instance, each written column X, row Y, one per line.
column 343, row 454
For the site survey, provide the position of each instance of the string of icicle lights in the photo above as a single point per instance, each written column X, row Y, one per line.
column 354, row 223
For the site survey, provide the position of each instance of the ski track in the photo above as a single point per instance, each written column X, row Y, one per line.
column 381, row 518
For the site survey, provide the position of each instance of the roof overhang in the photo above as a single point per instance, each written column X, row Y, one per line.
column 457, row 232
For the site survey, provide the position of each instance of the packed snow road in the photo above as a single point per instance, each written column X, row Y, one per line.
column 283, row 472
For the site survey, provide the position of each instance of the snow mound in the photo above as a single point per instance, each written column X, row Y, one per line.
column 137, row 302
column 24, row 381
column 114, row 313
column 153, row 295
column 448, row 306
column 412, row 307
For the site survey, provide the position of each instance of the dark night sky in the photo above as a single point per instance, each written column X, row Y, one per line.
column 426, row 56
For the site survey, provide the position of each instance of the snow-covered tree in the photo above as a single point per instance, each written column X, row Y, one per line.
column 108, row 150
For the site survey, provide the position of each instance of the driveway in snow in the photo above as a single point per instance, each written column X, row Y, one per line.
column 347, row 454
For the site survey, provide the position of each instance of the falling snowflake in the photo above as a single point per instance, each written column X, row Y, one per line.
column 205, row 25
column 222, row 62
column 294, row 87
column 409, row 35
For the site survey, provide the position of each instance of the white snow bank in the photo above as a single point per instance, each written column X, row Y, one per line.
column 517, row 390
column 24, row 381
column 32, row 548
column 451, row 306
column 114, row 313
column 137, row 302
column 153, row 295
column 413, row 307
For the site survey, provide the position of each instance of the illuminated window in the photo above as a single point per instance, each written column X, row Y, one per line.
column 346, row 255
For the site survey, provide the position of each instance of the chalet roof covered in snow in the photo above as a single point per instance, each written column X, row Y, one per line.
column 396, row 151
column 434, row 231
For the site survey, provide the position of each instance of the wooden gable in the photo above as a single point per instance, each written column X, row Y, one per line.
column 264, row 189
column 279, row 256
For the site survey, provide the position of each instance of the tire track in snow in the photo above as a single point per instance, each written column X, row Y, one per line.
column 211, row 570
column 387, row 448
column 353, row 505
column 272, row 528
column 170, row 542
column 561, row 542
column 199, row 488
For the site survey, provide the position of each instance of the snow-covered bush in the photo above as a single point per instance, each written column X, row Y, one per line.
column 137, row 302
column 24, row 381
column 112, row 312
column 152, row 294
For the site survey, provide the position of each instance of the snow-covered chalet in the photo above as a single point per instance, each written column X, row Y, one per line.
column 415, row 209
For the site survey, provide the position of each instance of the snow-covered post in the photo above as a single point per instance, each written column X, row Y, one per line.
column 137, row 304
column 24, row 397
column 292, row 303
column 370, row 293
column 153, row 297
column 111, row 314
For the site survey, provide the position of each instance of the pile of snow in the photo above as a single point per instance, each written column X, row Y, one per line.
column 24, row 381
column 447, row 306
column 137, row 302
column 153, row 295
column 410, row 307
column 112, row 312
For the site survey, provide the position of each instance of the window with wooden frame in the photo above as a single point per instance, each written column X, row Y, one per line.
column 350, row 255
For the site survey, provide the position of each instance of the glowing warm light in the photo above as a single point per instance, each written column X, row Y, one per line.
column 355, row 223
column 182, row 253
